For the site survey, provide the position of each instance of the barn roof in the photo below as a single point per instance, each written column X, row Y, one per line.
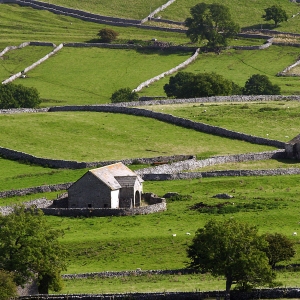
column 108, row 175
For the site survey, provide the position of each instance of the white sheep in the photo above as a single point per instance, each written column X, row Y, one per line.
column 295, row 233
column 174, row 234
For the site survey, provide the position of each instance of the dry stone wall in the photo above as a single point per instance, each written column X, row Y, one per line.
column 167, row 73
column 288, row 293
column 19, row 74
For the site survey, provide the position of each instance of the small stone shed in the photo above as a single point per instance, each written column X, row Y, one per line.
column 292, row 148
column 112, row 186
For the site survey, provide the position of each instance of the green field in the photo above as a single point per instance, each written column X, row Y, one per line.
column 247, row 14
column 239, row 65
column 89, row 76
column 85, row 136
column 259, row 119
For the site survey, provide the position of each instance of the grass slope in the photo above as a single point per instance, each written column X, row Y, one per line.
column 103, row 136
column 239, row 65
column 122, row 243
column 245, row 13
column 260, row 118
column 91, row 75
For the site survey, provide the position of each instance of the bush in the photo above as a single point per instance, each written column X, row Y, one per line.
column 189, row 85
column 107, row 35
column 124, row 95
column 17, row 96
column 8, row 288
column 260, row 85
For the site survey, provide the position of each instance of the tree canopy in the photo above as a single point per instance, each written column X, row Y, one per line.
column 17, row 96
column 231, row 249
column 189, row 85
column 259, row 84
column 280, row 248
column 211, row 22
column 275, row 13
column 31, row 250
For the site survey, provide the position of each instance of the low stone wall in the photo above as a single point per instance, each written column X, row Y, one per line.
column 105, row 212
column 9, row 48
column 289, row 293
column 152, row 14
column 192, row 164
column 35, row 190
column 37, row 63
column 173, row 120
column 167, row 73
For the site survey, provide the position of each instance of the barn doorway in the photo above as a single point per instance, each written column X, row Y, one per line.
column 137, row 198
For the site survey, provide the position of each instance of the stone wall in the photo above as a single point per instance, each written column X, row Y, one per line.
column 37, row 63
column 234, row 295
column 152, row 14
column 167, row 73
column 105, row 212
column 193, row 164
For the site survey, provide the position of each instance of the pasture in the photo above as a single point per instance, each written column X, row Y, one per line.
column 277, row 120
column 85, row 136
column 89, row 76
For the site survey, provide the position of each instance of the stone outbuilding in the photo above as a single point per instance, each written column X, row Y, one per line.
column 112, row 186
column 292, row 148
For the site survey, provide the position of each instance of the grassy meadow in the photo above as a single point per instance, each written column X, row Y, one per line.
column 85, row 136
column 248, row 14
column 89, row 76
column 276, row 120
column 239, row 65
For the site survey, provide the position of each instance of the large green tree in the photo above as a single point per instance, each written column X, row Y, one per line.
column 280, row 248
column 275, row 13
column 258, row 84
column 231, row 249
column 31, row 250
column 124, row 95
column 211, row 22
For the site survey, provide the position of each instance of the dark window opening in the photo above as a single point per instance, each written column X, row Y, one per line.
column 105, row 205
column 89, row 205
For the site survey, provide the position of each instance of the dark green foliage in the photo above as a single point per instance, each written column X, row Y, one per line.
column 8, row 288
column 124, row 95
column 275, row 13
column 280, row 248
column 189, row 85
column 17, row 95
column 30, row 249
column 231, row 249
column 179, row 198
column 211, row 22
column 259, row 84
column 107, row 35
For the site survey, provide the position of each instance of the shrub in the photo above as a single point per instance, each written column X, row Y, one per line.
column 17, row 95
column 107, row 35
column 8, row 288
column 260, row 85
column 124, row 95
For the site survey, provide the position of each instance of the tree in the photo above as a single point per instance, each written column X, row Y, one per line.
column 231, row 249
column 211, row 22
column 107, row 35
column 189, row 85
column 275, row 13
column 17, row 95
column 280, row 248
column 124, row 95
column 260, row 85
column 30, row 249
column 8, row 288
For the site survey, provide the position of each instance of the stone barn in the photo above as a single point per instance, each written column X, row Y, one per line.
column 292, row 148
column 112, row 186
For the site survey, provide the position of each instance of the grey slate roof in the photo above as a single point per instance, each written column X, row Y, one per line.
column 108, row 175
